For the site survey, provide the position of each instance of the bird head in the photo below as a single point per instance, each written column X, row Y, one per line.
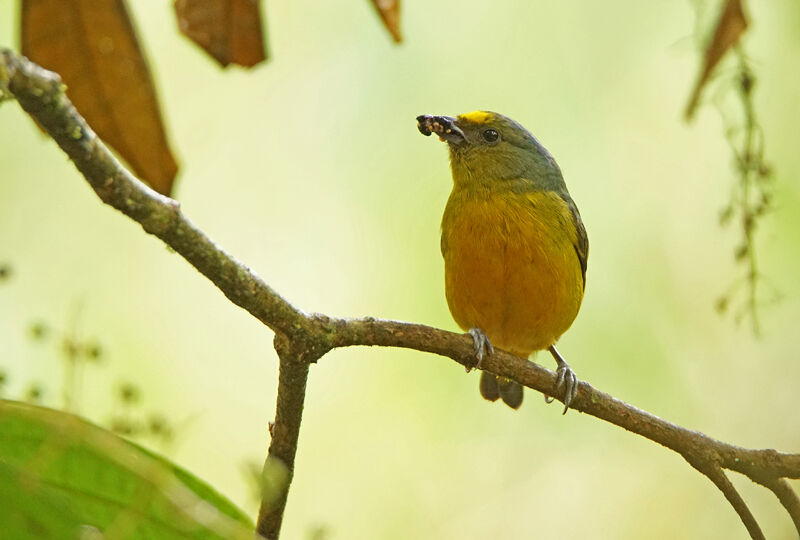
column 488, row 150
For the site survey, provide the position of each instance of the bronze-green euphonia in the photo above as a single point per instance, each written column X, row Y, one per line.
column 513, row 243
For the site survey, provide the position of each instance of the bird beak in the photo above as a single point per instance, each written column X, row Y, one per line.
column 444, row 126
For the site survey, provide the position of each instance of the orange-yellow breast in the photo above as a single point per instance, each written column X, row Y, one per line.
column 510, row 267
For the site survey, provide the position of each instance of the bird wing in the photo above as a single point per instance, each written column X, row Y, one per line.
column 581, row 242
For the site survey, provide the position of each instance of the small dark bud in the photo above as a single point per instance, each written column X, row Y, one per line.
column 129, row 393
column 39, row 330
column 748, row 221
column 725, row 215
column 94, row 351
column 747, row 81
column 34, row 393
column 70, row 348
column 158, row 425
column 318, row 532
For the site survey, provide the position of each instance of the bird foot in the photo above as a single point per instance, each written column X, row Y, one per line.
column 482, row 346
column 566, row 380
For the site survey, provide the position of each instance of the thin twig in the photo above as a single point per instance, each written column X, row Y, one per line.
column 302, row 339
column 786, row 495
column 285, row 432
column 721, row 480
column 751, row 197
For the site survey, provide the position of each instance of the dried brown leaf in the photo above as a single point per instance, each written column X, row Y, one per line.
column 389, row 10
column 731, row 25
column 228, row 30
column 93, row 46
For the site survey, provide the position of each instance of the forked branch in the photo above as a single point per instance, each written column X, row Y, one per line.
column 302, row 338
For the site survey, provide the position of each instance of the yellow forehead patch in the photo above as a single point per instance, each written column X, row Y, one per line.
column 476, row 117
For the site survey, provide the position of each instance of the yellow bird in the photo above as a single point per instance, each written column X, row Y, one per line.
column 513, row 243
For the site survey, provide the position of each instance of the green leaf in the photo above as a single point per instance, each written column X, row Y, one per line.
column 62, row 477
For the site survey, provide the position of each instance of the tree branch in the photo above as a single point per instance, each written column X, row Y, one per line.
column 285, row 431
column 302, row 338
column 41, row 94
column 688, row 443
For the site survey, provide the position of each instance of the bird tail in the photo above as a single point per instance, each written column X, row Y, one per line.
column 493, row 387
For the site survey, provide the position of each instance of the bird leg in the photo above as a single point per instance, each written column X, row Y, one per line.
column 482, row 346
column 565, row 380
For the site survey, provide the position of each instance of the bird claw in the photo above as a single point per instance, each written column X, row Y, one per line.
column 566, row 381
column 569, row 382
column 482, row 346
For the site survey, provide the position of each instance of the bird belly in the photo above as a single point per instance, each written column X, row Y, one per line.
column 511, row 270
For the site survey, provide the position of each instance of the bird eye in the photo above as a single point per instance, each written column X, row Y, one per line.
column 490, row 135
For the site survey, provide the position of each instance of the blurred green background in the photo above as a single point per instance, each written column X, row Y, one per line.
column 310, row 169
